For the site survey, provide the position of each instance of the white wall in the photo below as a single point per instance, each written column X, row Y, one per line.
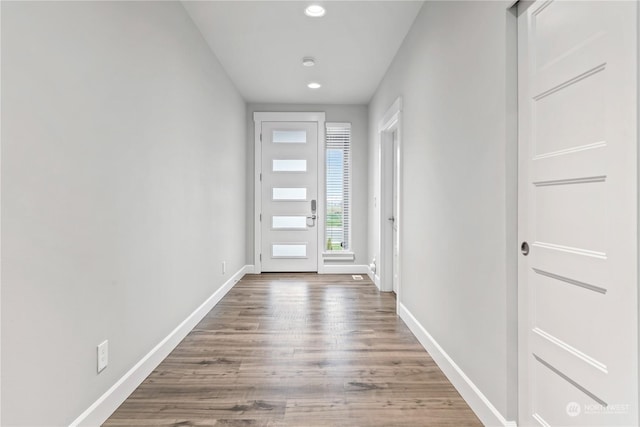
column 455, row 73
column 357, row 116
column 123, row 170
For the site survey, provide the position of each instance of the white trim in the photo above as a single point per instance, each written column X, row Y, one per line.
column 374, row 277
column 481, row 406
column 290, row 116
column 0, row 262
column 257, row 204
column 390, row 122
column 322, row 206
column 106, row 404
column 345, row 269
column 391, row 115
column 339, row 256
column 638, row 160
column 296, row 116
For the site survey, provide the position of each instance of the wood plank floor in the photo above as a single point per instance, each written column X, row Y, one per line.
column 298, row 350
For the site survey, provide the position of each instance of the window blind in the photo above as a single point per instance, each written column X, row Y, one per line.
column 338, row 186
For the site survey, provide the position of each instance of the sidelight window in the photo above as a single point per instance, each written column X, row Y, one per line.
column 338, row 185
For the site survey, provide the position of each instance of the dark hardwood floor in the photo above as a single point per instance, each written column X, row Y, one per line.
column 298, row 350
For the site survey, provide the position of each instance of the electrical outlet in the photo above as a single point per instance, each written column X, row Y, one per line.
column 103, row 355
column 224, row 267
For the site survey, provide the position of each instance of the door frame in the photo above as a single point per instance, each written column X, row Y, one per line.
column 258, row 118
column 390, row 123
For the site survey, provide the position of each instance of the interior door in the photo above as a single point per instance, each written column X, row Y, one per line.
column 289, row 196
column 578, row 333
column 394, row 200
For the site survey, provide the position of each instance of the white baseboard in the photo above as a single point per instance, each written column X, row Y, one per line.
column 478, row 402
column 374, row 277
column 344, row 269
column 102, row 408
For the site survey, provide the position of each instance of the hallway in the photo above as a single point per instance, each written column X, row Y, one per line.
column 480, row 158
column 298, row 349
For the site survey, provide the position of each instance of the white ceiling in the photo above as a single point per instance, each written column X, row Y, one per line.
column 261, row 45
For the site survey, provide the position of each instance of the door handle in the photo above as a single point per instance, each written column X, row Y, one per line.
column 392, row 219
column 524, row 248
column 313, row 216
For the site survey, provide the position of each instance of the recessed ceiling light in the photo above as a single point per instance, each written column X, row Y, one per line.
column 315, row 11
column 314, row 85
column 308, row 61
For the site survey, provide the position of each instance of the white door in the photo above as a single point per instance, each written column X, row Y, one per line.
column 395, row 189
column 289, row 196
column 578, row 333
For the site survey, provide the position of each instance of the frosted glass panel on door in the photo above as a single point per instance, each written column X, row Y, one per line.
column 289, row 136
column 289, row 165
column 289, row 193
column 297, row 222
column 289, row 251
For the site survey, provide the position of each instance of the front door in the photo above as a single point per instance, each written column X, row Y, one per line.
column 289, row 220
column 578, row 213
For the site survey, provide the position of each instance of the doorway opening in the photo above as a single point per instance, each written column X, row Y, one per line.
column 390, row 199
